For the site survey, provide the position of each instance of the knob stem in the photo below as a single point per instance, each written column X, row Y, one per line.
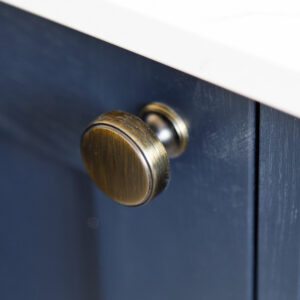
column 163, row 130
column 168, row 126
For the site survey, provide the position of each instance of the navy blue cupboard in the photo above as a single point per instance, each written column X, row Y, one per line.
column 227, row 227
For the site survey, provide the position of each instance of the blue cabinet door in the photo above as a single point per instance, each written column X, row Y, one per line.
column 60, row 237
column 279, row 205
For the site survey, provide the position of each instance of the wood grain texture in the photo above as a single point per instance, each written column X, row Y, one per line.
column 48, row 238
column 195, row 241
column 279, row 206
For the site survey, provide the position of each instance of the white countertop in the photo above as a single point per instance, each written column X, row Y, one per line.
column 251, row 47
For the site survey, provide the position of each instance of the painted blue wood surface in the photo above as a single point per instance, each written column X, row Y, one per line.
column 279, row 207
column 195, row 241
column 48, row 244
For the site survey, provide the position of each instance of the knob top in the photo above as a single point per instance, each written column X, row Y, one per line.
column 125, row 158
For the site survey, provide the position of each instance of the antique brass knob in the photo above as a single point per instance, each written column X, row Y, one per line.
column 128, row 157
